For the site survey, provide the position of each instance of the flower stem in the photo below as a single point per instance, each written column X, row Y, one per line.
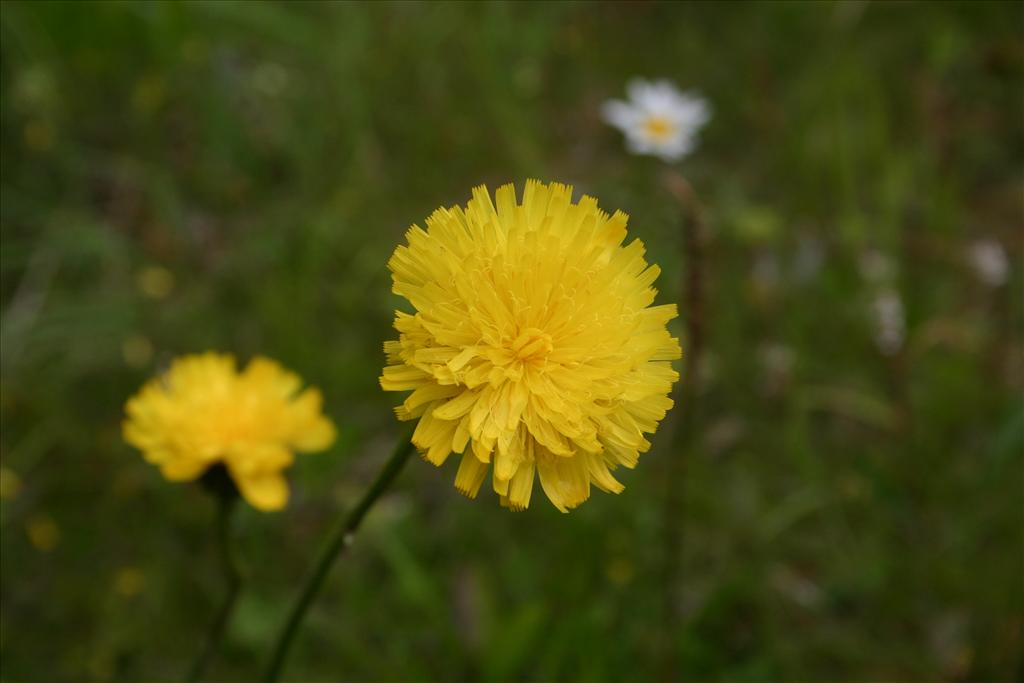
column 695, row 235
column 339, row 539
column 233, row 584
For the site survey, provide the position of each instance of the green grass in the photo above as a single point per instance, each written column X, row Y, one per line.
column 855, row 517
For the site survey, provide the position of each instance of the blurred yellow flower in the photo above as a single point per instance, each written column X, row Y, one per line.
column 534, row 343
column 149, row 94
column 203, row 412
column 620, row 570
column 10, row 483
column 155, row 282
column 137, row 351
column 129, row 582
column 39, row 135
column 43, row 532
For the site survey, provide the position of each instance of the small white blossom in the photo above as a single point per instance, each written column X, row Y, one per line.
column 777, row 361
column 890, row 322
column 990, row 262
column 658, row 118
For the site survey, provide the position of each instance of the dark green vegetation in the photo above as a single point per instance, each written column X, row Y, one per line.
column 847, row 515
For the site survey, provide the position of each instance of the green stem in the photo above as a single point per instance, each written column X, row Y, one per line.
column 339, row 539
column 233, row 584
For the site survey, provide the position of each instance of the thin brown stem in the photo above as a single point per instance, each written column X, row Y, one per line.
column 692, row 296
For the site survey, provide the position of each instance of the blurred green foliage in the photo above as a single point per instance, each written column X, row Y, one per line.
column 234, row 176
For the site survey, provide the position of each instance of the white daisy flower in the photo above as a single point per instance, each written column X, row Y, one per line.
column 990, row 262
column 658, row 118
column 890, row 322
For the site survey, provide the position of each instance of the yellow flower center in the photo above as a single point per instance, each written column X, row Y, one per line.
column 658, row 127
column 532, row 344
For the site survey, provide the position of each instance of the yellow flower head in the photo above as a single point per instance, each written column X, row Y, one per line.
column 203, row 412
column 534, row 345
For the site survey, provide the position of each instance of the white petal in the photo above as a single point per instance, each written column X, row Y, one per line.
column 666, row 86
column 646, row 96
column 675, row 149
column 665, row 95
column 637, row 89
column 639, row 144
column 620, row 114
column 695, row 112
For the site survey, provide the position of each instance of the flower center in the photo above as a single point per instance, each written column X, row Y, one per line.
column 658, row 127
column 532, row 344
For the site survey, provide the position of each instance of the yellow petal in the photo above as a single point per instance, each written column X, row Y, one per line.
column 470, row 475
column 521, row 487
column 183, row 470
column 318, row 436
column 267, row 491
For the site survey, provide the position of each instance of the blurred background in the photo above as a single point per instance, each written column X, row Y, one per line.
column 233, row 176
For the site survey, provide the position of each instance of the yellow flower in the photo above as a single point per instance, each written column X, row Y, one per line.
column 203, row 412
column 155, row 282
column 43, row 532
column 10, row 483
column 129, row 581
column 534, row 346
